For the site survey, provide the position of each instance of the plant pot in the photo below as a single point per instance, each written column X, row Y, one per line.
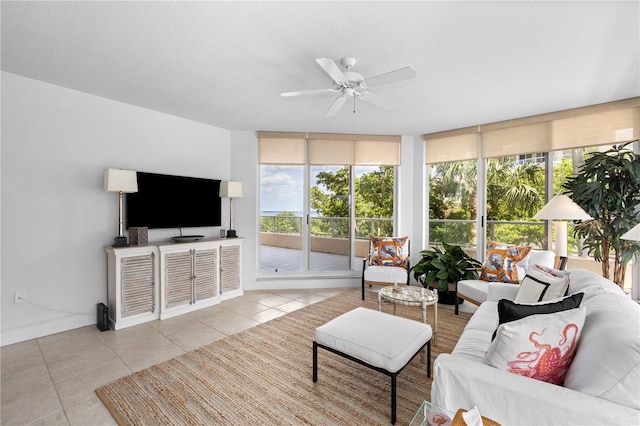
column 447, row 297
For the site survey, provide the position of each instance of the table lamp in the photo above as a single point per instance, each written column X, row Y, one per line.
column 231, row 190
column 120, row 181
column 560, row 209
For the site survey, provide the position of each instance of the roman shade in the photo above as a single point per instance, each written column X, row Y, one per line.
column 602, row 124
column 328, row 149
column 515, row 140
column 455, row 145
column 282, row 148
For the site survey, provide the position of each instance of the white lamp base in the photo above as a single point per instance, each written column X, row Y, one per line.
column 561, row 238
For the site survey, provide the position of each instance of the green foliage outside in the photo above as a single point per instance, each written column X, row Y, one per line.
column 330, row 199
column 514, row 193
column 283, row 222
column 373, row 199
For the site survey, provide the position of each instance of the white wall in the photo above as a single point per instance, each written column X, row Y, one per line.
column 56, row 219
column 411, row 194
column 244, row 168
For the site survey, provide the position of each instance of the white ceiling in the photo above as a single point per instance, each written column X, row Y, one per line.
column 225, row 63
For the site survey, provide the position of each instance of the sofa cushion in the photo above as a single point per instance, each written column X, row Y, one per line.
column 539, row 346
column 385, row 274
column 389, row 251
column 500, row 265
column 510, row 311
column 536, row 257
column 607, row 362
column 475, row 340
column 542, row 283
column 473, row 289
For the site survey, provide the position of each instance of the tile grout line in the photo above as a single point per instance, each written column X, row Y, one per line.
column 55, row 388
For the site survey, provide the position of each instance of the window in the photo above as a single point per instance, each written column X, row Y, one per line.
column 281, row 217
column 518, row 165
column 321, row 196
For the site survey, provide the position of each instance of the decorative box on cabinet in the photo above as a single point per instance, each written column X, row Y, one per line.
column 189, row 277
column 132, row 285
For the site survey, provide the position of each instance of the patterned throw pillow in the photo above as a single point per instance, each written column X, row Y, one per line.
column 389, row 251
column 539, row 346
column 500, row 265
column 542, row 284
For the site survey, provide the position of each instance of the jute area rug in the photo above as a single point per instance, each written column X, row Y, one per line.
column 263, row 376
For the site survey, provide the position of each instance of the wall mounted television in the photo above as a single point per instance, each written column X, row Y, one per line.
column 166, row 201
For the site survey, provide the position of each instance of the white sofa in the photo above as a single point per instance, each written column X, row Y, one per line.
column 602, row 385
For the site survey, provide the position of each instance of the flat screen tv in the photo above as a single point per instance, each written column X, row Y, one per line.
column 165, row 201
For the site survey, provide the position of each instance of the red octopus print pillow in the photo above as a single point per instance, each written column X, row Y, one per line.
column 539, row 346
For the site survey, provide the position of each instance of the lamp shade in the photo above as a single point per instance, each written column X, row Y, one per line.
column 632, row 234
column 117, row 180
column 562, row 207
column 231, row 189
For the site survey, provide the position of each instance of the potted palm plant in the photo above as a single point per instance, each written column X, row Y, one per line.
column 607, row 187
column 437, row 268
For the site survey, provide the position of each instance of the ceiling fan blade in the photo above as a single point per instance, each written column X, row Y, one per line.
column 332, row 69
column 405, row 73
column 336, row 106
column 378, row 101
column 308, row 92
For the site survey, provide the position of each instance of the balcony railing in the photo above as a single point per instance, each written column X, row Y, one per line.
column 463, row 233
column 327, row 226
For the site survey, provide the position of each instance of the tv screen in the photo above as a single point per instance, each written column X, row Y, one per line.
column 165, row 201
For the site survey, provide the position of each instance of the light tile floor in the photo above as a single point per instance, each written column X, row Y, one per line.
column 51, row 380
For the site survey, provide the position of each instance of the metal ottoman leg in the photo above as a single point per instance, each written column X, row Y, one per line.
column 315, row 362
column 393, row 399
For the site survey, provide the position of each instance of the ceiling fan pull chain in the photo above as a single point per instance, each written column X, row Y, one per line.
column 354, row 104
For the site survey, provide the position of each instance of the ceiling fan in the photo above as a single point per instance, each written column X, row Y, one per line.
column 351, row 84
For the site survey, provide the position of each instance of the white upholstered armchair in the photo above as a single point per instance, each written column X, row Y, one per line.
column 477, row 291
column 388, row 262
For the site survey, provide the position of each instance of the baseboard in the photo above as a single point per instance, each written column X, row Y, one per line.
column 21, row 333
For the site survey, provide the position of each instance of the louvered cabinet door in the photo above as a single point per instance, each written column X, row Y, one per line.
column 229, row 267
column 138, row 285
column 205, row 277
column 178, row 284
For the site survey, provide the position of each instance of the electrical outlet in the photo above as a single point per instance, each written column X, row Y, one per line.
column 18, row 297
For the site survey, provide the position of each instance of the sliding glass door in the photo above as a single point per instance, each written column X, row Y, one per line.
column 321, row 197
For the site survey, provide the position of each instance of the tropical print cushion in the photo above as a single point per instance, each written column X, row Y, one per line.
column 500, row 265
column 389, row 251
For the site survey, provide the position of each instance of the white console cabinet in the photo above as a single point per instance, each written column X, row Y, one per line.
column 169, row 279
column 132, row 290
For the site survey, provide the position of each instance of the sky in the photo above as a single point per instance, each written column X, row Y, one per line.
column 281, row 187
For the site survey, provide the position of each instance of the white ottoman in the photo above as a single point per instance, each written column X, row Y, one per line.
column 383, row 342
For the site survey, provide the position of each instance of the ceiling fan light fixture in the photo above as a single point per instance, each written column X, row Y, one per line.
column 353, row 78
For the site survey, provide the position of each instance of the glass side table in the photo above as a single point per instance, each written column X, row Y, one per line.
column 431, row 415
